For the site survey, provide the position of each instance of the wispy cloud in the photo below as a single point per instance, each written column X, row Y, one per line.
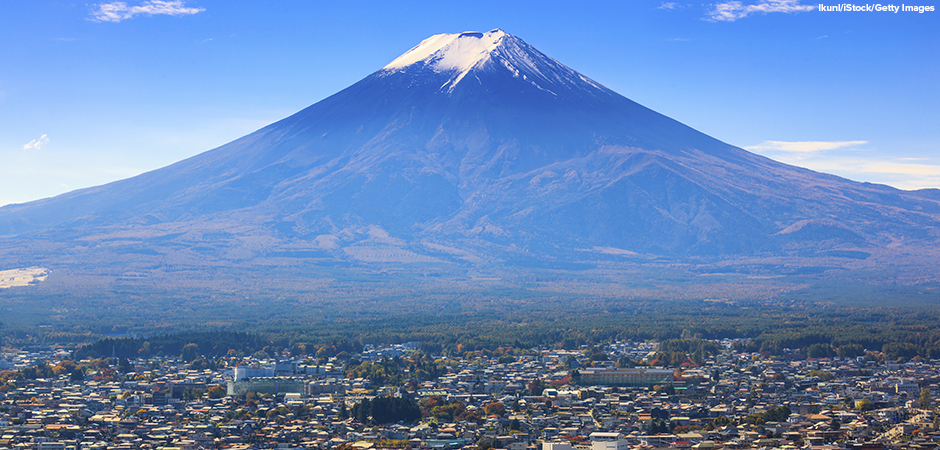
column 119, row 11
column 846, row 159
column 668, row 5
column 734, row 10
column 802, row 146
column 893, row 172
column 36, row 144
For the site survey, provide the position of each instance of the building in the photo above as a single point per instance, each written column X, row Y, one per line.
column 610, row 445
column 266, row 385
column 625, row 377
column 608, row 441
column 246, row 372
column 557, row 446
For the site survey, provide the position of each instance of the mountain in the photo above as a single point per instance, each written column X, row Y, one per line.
column 470, row 148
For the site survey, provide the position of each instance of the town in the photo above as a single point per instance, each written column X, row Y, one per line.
column 615, row 396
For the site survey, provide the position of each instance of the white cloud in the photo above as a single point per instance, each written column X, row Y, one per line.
column 802, row 146
column 876, row 166
column 669, row 5
column 845, row 159
column 118, row 11
column 36, row 144
column 734, row 10
column 893, row 172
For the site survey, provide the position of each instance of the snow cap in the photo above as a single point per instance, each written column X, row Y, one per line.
column 447, row 52
column 456, row 55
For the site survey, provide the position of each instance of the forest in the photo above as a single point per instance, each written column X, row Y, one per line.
column 898, row 335
column 825, row 317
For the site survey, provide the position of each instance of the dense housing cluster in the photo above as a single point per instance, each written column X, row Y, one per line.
column 594, row 398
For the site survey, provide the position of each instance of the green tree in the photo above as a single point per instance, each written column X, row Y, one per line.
column 819, row 351
column 851, row 350
column 659, row 426
column 925, row 399
column 865, row 405
column 193, row 393
column 386, row 410
column 190, row 352
column 835, row 424
column 536, row 387
column 722, row 421
column 571, row 362
column 77, row 375
column 822, row 375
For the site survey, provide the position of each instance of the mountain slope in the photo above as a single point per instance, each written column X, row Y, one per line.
column 480, row 145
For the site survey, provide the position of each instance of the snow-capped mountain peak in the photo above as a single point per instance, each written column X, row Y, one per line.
column 458, row 54
column 451, row 53
column 447, row 52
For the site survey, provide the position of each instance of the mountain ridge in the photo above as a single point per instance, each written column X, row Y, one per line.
column 502, row 154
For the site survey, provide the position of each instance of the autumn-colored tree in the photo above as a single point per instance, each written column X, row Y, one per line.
column 216, row 392
column 496, row 408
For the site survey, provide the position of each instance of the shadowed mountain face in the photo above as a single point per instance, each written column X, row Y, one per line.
column 470, row 147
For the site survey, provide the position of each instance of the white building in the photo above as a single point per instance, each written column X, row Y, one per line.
column 610, row 445
column 245, row 372
column 557, row 446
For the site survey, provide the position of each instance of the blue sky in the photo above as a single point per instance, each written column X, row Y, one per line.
column 95, row 92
